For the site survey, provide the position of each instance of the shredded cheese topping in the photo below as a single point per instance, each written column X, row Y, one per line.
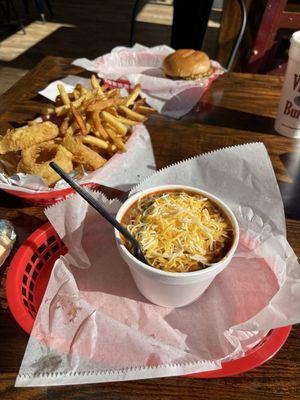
column 179, row 232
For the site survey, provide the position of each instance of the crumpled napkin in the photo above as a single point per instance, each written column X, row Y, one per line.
column 141, row 64
column 93, row 324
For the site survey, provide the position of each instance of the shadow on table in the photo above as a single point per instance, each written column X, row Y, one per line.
column 291, row 191
column 228, row 118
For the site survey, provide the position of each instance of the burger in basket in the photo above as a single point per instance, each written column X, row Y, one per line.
column 187, row 64
column 80, row 132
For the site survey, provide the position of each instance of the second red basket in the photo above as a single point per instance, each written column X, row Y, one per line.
column 28, row 276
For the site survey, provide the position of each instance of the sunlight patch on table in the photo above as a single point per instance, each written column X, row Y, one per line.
column 162, row 14
column 18, row 43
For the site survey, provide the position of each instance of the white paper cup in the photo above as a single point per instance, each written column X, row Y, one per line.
column 173, row 289
column 287, row 122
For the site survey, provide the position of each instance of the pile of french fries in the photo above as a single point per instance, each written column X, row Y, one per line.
column 100, row 117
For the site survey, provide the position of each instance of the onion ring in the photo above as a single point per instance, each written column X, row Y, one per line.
column 35, row 160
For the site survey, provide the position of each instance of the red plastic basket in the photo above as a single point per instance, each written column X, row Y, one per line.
column 119, row 83
column 28, row 276
column 46, row 199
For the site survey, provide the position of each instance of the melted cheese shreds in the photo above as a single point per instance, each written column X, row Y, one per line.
column 179, row 232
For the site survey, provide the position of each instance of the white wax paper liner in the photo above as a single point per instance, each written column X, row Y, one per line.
column 62, row 294
column 270, row 207
column 263, row 243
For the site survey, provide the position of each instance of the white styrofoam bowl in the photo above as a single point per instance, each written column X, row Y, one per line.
column 173, row 289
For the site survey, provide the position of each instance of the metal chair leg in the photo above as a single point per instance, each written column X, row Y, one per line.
column 26, row 7
column 2, row 7
column 135, row 11
column 49, row 6
column 40, row 6
column 240, row 34
column 11, row 2
column 5, row 5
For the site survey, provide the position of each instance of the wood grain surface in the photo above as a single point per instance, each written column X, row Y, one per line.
column 237, row 109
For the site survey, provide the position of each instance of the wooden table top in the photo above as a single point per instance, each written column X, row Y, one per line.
column 238, row 108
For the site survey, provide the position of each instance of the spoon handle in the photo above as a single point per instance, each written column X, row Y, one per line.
column 94, row 203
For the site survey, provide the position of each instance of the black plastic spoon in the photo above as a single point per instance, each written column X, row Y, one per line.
column 101, row 210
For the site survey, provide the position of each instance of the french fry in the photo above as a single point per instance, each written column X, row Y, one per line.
column 72, row 128
column 95, row 132
column 144, row 109
column 63, row 129
column 93, row 99
column 85, row 96
column 117, row 141
column 78, row 88
column 99, row 130
column 63, row 94
column 88, row 126
column 59, row 111
column 124, row 120
column 82, row 154
column 76, row 94
column 96, row 142
column 104, row 96
column 58, row 101
column 62, row 110
column 79, row 120
column 112, row 148
column 132, row 114
column 112, row 110
column 114, row 122
column 47, row 109
column 99, row 105
column 95, row 84
column 133, row 95
column 83, row 90
column 112, row 93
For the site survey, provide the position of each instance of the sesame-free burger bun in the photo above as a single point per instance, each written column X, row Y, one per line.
column 187, row 64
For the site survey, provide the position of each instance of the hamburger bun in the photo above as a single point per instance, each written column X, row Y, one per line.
column 187, row 64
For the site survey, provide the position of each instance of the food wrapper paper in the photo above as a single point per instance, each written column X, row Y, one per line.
column 140, row 64
column 93, row 324
column 122, row 171
column 7, row 239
